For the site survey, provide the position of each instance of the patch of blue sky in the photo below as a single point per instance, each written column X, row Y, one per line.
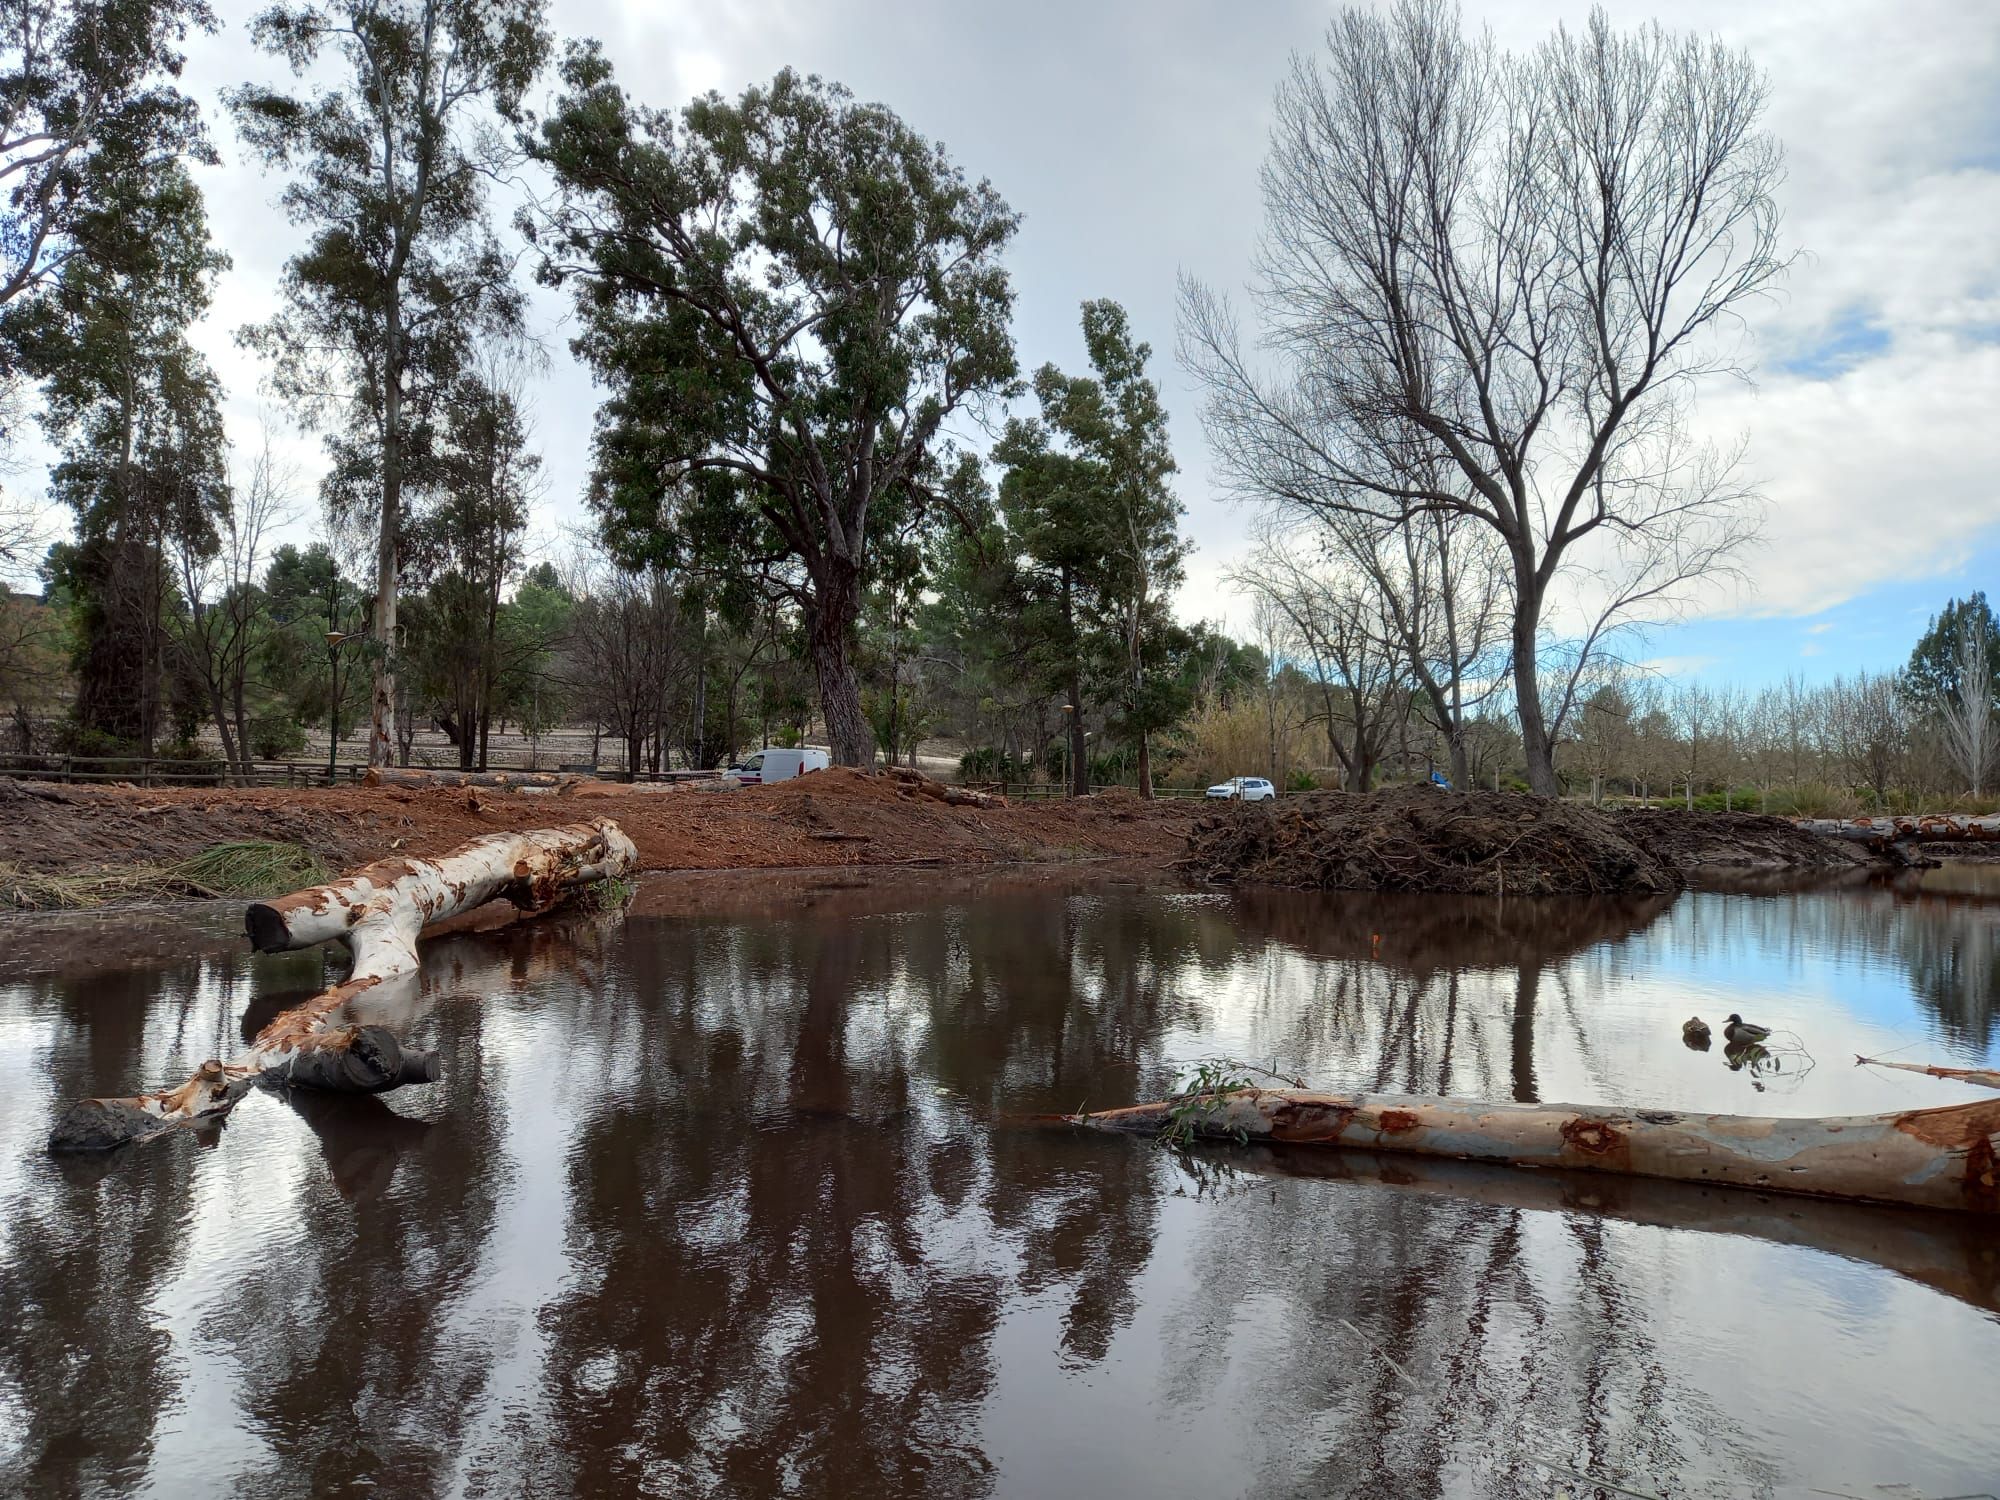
column 1852, row 339
column 1871, row 632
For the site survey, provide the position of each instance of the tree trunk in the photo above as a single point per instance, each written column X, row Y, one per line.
column 1145, row 764
column 379, row 912
column 382, row 702
column 832, row 624
column 1535, row 746
column 1930, row 1158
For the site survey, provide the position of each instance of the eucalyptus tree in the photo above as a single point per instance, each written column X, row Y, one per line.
column 1493, row 284
column 401, row 271
column 1095, row 526
column 87, row 94
column 480, row 488
column 789, row 296
column 1114, row 421
column 135, row 410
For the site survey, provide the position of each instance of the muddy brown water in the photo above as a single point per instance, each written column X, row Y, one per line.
column 740, row 1193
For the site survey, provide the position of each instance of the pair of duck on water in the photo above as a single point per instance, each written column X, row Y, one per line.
column 1737, row 1032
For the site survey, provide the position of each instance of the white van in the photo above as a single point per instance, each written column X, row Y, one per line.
column 771, row 764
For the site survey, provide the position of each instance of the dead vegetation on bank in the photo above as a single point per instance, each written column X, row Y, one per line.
column 240, row 868
column 1490, row 843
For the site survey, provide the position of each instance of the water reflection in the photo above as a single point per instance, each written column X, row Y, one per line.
column 739, row 1194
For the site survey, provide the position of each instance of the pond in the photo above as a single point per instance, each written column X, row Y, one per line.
column 744, row 1192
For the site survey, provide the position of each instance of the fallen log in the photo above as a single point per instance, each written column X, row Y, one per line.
column 1986, row 1078
column 517, row 781
column 1930, row 1158
column 1929, row 828
column 379, row 912
column 951, row 796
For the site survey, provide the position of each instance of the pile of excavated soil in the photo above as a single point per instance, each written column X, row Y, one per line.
column 1423, row 839
column 832, row 817
column 1492, row 843
column 1737, row 841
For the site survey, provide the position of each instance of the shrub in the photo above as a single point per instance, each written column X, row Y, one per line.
column 276, row 737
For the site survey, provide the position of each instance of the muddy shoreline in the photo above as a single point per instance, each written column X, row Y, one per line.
column 1404, row 839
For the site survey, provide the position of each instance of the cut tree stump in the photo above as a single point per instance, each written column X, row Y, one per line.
column 1931, row 1158
column 379, row 912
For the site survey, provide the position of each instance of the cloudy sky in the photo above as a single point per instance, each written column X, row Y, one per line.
column 1129, row 135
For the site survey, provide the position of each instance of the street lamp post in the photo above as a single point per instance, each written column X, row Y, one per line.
column 335, row 639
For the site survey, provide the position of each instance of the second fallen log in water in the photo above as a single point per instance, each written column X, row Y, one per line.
column 1931, row 1158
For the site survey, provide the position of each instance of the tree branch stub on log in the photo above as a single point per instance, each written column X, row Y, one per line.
column 1985, row 1078
column 1930, row 1158
column 379, row 912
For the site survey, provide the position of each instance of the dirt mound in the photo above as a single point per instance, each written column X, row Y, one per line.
column 53, row 828
column 1422, row 839
column 1736, row 840
column 834, row 817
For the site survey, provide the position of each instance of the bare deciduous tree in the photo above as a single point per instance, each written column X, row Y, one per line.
column 216, row 638
column 1339, row 626
column 1967, row 714
column 1492, row 284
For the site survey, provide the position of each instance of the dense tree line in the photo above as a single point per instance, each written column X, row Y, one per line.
column 1489, row 285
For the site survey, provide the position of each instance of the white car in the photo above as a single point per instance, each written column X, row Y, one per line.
column 1244, row 789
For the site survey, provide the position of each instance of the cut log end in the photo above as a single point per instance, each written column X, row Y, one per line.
column 361, row 1060
column 265, row 926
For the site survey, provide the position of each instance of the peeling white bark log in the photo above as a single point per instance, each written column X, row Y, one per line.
column 379, row 912
column 1932, row 1158
column 1986, row 1078
column 519, row 781
column 1932, row 828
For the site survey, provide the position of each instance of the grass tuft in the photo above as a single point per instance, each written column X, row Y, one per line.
column 249, row 868
column 254, row 868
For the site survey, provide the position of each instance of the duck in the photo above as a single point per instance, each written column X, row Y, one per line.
column 1694, row 1031
column 1742, row 1033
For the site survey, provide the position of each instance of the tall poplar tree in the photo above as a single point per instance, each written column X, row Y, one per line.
column 402, row 271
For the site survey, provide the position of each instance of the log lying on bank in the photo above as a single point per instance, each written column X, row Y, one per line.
column 1932, row 828
column 379, row 912
column 1930, row 1158
column 918, row 784
column 517, row 781
column 1986, row 1078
